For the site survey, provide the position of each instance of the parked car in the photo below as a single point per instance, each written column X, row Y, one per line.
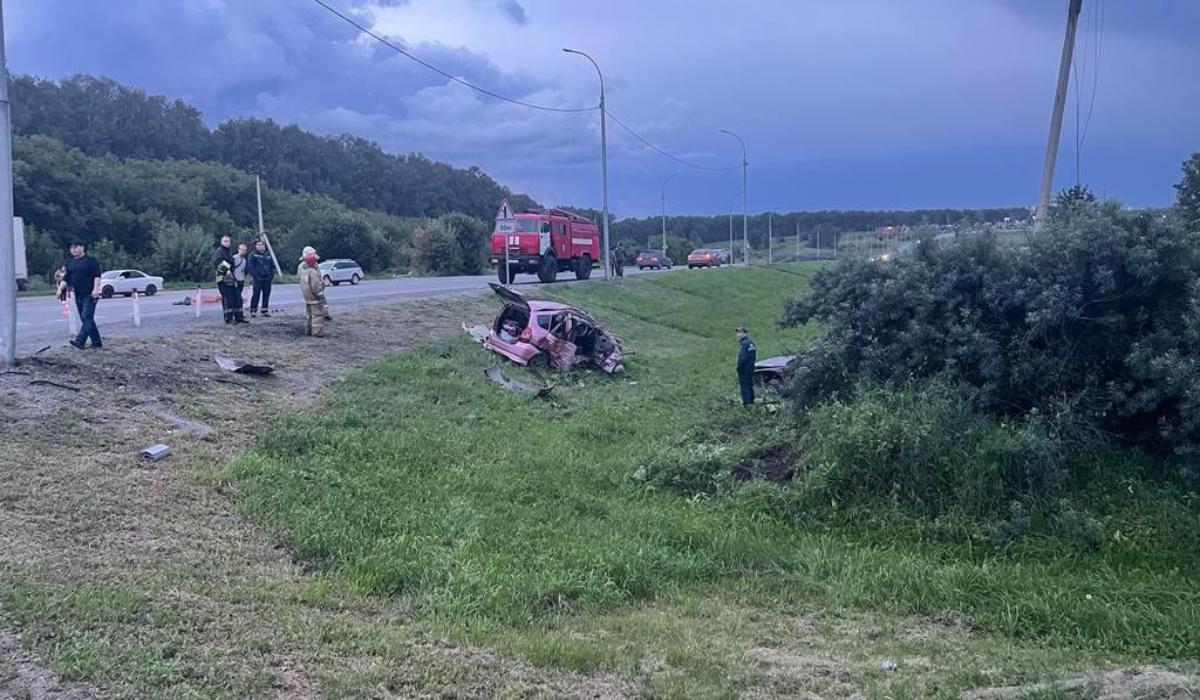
column 126, row 282
column 772, row 372
column 703, row 257
column 334, row 272
column 654, row 259
column 543, row 334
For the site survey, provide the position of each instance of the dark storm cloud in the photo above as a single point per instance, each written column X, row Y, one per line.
column 514, row 11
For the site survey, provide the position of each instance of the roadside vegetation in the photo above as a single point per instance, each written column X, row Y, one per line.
column 545, row 529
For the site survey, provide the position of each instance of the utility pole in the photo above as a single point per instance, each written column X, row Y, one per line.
column 663, row 202
column 8, row 267
column 745, row 227
column 1060, row 102
column 731, row 258
column 603, row 159
column 262, row 233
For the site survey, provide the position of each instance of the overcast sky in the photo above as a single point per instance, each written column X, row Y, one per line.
column 849, row 104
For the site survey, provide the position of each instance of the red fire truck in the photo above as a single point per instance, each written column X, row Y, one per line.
column 543, row 242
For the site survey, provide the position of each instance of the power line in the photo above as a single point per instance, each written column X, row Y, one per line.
column 681, row 161
column 368, row 32
column 443, row 73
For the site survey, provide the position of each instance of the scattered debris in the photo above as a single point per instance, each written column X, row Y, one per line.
column 240, row 366
column 478, row 333
column 493, row 373
column 189, row 427
column 47, row 382
column 155, row 452
column 551, row 334
column 186, row 301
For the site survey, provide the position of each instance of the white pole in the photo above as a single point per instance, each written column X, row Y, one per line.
column 745, row 225
column 8, row 268
column 1056, row 115
column 603, row 157
column 199, row 301
column 137, row 312
column 262, row 232
column 72, row 315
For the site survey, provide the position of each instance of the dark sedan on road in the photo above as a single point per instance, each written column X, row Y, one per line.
column 703, row 257
column 654, row 259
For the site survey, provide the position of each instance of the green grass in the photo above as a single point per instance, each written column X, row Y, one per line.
column 511, row 521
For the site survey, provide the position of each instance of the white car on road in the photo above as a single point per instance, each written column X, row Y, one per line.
column 337, row 271
column 127, row 282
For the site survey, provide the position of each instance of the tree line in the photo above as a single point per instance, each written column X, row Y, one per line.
column 101, row 117
column 164, row 215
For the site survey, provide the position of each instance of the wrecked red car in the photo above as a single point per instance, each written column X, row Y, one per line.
column 550, row 334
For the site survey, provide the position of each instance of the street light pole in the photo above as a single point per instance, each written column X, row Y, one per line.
column 731, row 228
column 663, row 200
column 603, row 157
column 745, row 225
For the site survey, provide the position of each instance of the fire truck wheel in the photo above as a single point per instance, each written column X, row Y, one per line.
column 583, row 267
column 548, row 270
column 505, row 274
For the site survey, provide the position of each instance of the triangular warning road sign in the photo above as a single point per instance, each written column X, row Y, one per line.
column 505, row 212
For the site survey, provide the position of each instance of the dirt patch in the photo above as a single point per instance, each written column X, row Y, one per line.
column 142, row 578
column 788, row 674
column 22, row 676
column 1144, row 683
column 775, row 463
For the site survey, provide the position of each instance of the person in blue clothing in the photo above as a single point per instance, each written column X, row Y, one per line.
column 81, row 274
column 747, row 357
column 261, row 269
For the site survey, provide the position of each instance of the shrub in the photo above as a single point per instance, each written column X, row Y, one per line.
column 181, row 252
column 924, row 448
column 1102, row 310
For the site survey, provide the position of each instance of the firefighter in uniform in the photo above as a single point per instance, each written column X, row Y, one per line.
column 231, row 298
column 747, row 356
column 313, row 290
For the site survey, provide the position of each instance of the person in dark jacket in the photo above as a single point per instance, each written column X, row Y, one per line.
column 81, row 275
column 747, row 357
column 223, row 264
column 261, row 269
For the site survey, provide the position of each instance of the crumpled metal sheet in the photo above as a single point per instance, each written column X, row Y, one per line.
column 241, row 366
column 493, row 373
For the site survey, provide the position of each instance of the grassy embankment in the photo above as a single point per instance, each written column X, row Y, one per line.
column 525, row 524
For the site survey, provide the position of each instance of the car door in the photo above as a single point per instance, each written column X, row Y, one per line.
column 137, row 282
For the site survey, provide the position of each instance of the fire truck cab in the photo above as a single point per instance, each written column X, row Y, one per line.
column 545, row 243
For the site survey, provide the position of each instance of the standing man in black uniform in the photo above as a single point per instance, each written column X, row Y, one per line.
column 747, row 356
column 261, row 268
column 231, row 298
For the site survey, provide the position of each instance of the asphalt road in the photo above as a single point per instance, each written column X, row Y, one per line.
column 41, row 320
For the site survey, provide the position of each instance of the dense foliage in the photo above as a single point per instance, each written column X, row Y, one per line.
column 102, row 117
column 164, row 214
column 1093, row 326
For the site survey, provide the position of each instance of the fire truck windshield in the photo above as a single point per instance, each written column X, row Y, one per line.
column 531, row 225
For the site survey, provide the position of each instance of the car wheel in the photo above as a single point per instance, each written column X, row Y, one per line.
column 355, row 279
column 327, row 281
column 151, row 290
column 583, row 267
column 539, row 362
column 107, row 292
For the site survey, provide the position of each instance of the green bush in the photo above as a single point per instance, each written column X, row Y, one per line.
column 925, row 448
column 1102, row 309
column 181, row 253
